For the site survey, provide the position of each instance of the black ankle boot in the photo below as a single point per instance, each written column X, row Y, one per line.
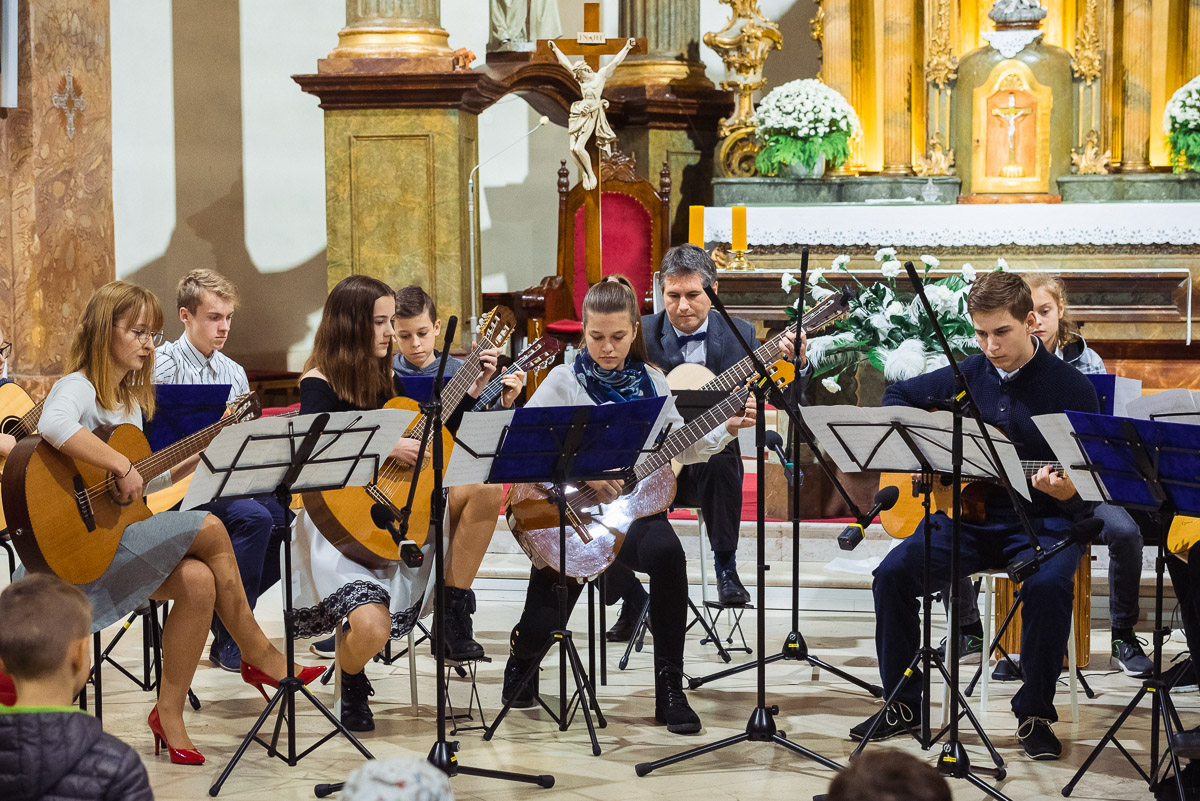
column 520, row 697
column 670, row 704
column 456, row 623
column 356, row 712
column 623, row 629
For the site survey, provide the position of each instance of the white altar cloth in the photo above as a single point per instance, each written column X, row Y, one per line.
column 967, row 225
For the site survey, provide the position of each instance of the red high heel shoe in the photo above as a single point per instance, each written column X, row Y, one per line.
column 186, row 756
column 257, row 678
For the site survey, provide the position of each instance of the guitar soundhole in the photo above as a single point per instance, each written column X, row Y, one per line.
column 9, row 424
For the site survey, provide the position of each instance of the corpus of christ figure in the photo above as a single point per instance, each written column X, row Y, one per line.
column 587, row 115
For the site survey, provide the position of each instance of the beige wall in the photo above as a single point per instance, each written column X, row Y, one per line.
column 218, row 156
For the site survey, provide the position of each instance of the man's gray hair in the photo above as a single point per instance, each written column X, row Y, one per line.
column 682, row 261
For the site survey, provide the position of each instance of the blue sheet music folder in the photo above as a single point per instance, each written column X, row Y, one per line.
column 419, row 387
column 1173, row 449
column 184, row 409
column 534, row 445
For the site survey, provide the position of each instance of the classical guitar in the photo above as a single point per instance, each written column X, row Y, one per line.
column 537, row 356
column 344, row 516
column 902, row 519
column 595, row 532
column 19, row 417
column 63, row 515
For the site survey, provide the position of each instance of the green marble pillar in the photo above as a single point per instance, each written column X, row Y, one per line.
column 672, row 32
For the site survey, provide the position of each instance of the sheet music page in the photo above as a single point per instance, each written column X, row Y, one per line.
column 1125, row 392
column 479, row 431
column 820, row 418
column 1057, row 431
column 1162, row 405
column 262, row 462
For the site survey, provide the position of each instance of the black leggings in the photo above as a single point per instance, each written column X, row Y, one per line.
column 651, row 546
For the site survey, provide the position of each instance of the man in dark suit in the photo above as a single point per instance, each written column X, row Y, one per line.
column 685, row 331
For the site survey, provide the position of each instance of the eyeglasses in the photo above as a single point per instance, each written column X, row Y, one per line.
column 5, row 349
column 146, row 336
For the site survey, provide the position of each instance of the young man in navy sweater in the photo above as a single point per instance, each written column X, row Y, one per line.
column 1013, row 380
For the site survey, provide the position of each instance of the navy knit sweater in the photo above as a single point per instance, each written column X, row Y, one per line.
column 1045, row 385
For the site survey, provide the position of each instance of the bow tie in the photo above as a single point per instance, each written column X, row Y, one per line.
column 692, row 338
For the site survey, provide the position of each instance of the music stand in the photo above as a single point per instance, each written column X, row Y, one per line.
column 905, row 440
column 560, row 445
column 1150, row 466
column 312, row 453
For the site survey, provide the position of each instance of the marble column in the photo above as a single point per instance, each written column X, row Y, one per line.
column 672, row 32
column 837, row 71
column 1136, row 65
column 1193, row 40
column 393, row 29
column 897, row 87
column 56, row 207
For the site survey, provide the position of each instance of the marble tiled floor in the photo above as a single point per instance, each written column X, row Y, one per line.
column 816, row 714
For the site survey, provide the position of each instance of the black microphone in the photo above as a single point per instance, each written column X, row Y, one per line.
column 775, row 443
column 383, row 518
column 852, row 535
column 1081, row 533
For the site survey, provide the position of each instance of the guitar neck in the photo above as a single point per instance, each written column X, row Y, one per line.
column 165, row 459
column 29, row 421
column 679, row 441
column 735, row 375
column 456, row 389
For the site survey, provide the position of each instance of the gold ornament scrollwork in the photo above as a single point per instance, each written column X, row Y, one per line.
column 1090, row 161
column 939, row 161
column 1087, row 61
column 941, row 67
column 818, row 22
column 743, row 45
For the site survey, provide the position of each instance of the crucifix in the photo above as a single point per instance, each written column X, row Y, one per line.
column 588, row 127
column 1010, row 114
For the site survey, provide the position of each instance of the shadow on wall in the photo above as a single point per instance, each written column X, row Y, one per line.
column 801, row 54
column 210, row 203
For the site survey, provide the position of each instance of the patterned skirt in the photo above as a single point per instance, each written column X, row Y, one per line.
column 327, row 585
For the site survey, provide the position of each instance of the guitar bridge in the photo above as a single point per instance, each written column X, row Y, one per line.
column 81, row 500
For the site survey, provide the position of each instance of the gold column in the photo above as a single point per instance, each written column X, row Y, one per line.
column 836, row 68
column 1137, row 47
column 897, row 87
column 1193, row 41
column 393, row 29
column 672, row 32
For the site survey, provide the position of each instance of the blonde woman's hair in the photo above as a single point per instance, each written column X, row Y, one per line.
column 1068, row 330
column 91, row 350
column 190, row 292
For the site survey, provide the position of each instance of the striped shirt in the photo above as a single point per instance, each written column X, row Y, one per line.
column 179, row 362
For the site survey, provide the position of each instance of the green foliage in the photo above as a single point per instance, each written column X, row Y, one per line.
column 782, row 150
column 1184, row 144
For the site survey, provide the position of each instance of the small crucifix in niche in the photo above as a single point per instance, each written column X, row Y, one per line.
column 588, row 125
column 1010, row 114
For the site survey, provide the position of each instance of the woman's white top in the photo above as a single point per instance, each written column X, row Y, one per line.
column 71, row 407
column 562, row 388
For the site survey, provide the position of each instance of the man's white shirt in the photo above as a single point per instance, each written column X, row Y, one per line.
column 695, row 351
column 179, row 362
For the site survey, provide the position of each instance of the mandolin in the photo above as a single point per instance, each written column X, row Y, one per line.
column 344, row 516
column 64, row 518
column 19, row 417
column 903, row 518
column 595, row 532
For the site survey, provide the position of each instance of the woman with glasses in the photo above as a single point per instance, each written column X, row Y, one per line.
column 184, row 557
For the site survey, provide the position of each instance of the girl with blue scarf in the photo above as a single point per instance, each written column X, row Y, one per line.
column 613, row 369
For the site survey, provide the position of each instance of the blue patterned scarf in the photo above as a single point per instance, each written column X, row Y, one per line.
column 613, row 386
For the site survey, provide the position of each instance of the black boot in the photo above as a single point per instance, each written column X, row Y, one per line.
column 356, row 712
column 623, row 629
column 456, row 623
column 670, row 704
column 520, row 697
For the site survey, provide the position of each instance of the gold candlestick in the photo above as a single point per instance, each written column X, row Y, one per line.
column 738, row 261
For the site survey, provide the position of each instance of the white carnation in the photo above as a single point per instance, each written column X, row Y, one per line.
column 968, row 272
column 840, row 262
column 786, row 281
column 890, row 269
column 819, row 293
column 930, row 261
column 884, row 253
column 1001, row 264
column 815, row 277
column 830, row 384
column 894, row 309
column 941, row 298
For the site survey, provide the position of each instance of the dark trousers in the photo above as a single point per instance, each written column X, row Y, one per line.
column 1185, row 576
column 651, row 546
column 251, row 523
column 716, row 487
column 1045, row 612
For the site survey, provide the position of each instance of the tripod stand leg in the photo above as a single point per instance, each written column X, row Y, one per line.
column 644, row 768
column 709, row 633
column 525, row 680
column 909, row 675
column 1110, row 735
column 874, row 689
column 587, row 696
column 975, row 724
column 249, row 738
column 799, row 749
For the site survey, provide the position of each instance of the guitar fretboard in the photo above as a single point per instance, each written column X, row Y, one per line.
column 456, row 389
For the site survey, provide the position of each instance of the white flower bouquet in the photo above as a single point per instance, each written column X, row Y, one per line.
column 887, row 328
column 1181, row 124
column 801, row 120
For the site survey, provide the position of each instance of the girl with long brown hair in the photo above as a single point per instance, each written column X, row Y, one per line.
column 351, row 370
column 612, row 369
column 184, row 557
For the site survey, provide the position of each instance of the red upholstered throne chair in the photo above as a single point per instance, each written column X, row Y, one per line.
column 635, row 233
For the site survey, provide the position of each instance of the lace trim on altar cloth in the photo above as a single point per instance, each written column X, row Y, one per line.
column 314, row 621
column 1000, row 225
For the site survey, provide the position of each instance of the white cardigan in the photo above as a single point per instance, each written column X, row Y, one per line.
column 562, row 388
